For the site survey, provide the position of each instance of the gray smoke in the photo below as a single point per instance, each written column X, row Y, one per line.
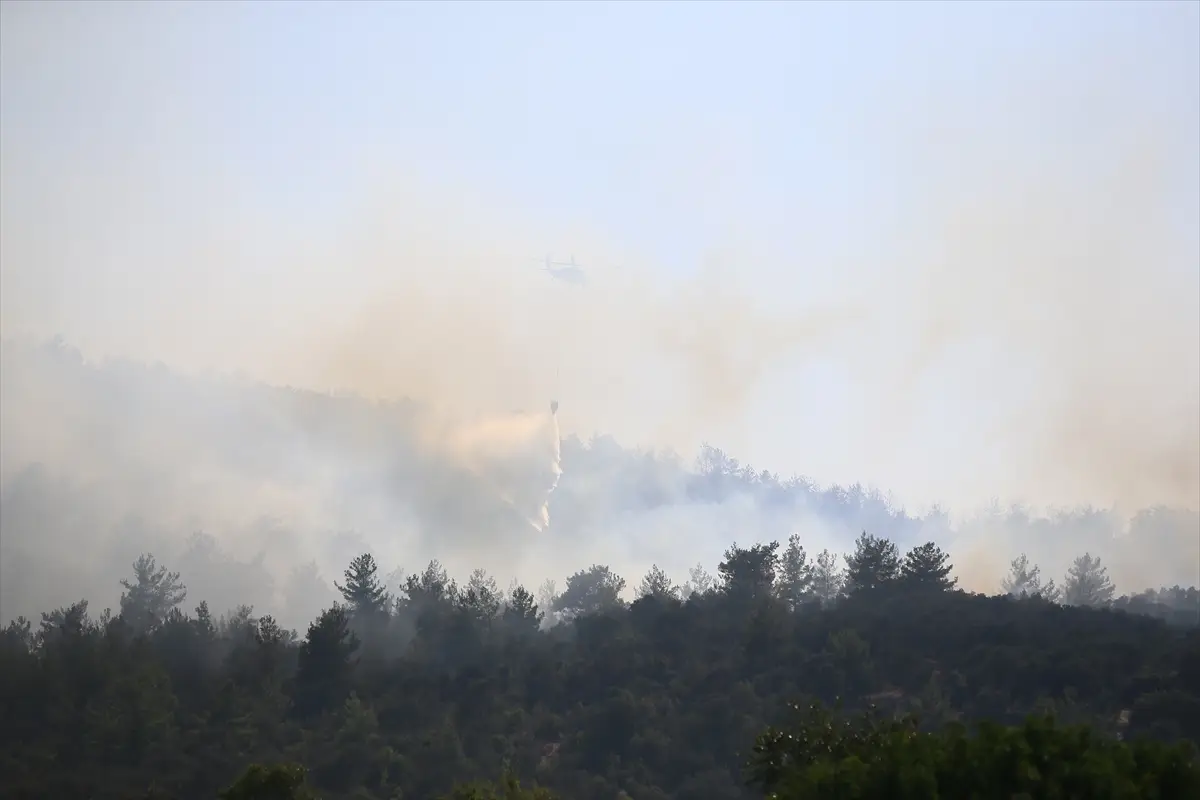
column 1025, row 325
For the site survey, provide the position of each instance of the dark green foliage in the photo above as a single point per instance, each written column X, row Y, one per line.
column 659, row 699
column 521, row 612
column 656, row 584
column 362, row 591
column 591, row 591
column 874, row 565
column 275, row 782
column 748, row 573
column 816, row 755
column 326, row 662
column 927, row 567
column 507, row 788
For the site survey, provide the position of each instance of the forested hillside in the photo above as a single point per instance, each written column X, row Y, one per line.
column 261, row 495
column 647, row 401
column 408, row 694
column 185, row 530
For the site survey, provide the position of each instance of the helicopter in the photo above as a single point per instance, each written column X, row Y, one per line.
column 567, row 271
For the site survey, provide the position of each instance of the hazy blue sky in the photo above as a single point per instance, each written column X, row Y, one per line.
column 159, row 159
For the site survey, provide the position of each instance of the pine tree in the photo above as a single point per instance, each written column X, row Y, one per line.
column 796, row 574
column 828, row 579
column 875, row 564
column 699, row 582
column 591, row 590
column 749, row 572
column 1087, row 583
column 1026, row 579
column 325, row 662
column 521, row 612
column 656, row 584
column 363, row 591
column 65, row 623
column 151, row 595
column 547, row 598
column 481, row 598
column 927, row 567
column 431, row 586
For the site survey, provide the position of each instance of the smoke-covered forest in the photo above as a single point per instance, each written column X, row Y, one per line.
column 152, row 652
column 411, row 401
column 261, row 495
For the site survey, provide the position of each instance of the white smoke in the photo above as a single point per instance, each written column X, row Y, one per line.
column 517, row 456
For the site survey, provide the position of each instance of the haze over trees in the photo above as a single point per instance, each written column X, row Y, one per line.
column 149, row 653
column 462, row 562
column 274, row 491
column 459, row 689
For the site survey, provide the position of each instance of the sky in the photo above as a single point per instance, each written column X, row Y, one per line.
column 952, row 250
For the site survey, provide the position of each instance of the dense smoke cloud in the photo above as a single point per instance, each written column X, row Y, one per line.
column 276, row 490
column 1025, row 326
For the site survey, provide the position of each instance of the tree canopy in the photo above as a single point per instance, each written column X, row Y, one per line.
column 705, row 689
column 818, row 756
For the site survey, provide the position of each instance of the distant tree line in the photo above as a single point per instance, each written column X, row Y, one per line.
column 435, row 687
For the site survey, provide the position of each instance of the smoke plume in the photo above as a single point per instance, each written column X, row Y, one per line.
column 340, row 343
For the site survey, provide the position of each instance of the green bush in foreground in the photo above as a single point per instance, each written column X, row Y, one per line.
column 507, row 788
column 270, row 782
column 819, row 756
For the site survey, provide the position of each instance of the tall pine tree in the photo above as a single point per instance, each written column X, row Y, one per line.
column 874, row 565
column 1087, row 583
column 927, row 567
column 151, row 595
column 363, row 592
column 656, row 584
column 749, row 572
column 796, row 574
column 1026, row 579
